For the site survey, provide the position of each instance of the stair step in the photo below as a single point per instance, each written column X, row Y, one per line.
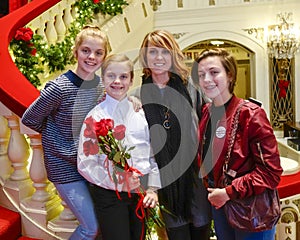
column 10, row 224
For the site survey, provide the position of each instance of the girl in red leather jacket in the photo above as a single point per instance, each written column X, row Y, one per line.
column 216, row 72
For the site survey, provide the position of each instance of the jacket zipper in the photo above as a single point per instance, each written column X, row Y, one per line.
column 260, row 153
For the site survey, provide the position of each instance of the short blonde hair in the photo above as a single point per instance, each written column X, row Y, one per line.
column 117, row 58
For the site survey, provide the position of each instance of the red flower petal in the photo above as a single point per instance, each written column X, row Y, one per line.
column 109, row 123
column 24, row 34
column 33, row 52
column 89, row 131
column 101, row 128
column 119, row 132
column 90, row 148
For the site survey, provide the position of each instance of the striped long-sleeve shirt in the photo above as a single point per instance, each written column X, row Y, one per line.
column 58, row 114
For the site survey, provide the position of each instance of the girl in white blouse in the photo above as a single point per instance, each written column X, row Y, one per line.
column 117, row 217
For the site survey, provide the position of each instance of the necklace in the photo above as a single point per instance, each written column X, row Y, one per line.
column 167, row 123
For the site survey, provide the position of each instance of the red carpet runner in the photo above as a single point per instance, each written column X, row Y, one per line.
column 10, row 225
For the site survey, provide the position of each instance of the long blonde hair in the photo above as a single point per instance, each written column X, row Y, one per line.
column 164, row 39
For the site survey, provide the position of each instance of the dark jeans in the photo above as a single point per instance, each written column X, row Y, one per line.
column 117, row 218
column 189, row 232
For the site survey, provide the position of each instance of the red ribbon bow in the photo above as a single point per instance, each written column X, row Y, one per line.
column 283, row 85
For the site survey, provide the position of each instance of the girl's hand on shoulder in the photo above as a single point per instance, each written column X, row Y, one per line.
column 150, row 199
column 137, row 104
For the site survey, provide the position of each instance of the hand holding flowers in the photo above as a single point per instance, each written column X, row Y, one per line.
column 105, row 138
column 133, row 182
column 150, row 199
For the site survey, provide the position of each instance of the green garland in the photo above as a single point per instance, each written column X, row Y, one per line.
column 32, row 54
column 25, row 55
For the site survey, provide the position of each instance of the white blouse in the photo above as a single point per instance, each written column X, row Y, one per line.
column 94, row 167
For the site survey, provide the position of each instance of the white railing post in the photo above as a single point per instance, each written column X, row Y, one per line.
column 59, row 25
column 18, row 185
column 6, row 168
column 37, row 169
column 44, row 204
column 18, row 150
column 5, row 164
column 50, row 32
column 67, row 17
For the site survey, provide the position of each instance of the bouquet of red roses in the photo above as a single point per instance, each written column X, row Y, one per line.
column 109, row 140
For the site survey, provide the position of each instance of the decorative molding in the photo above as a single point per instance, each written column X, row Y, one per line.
column 155, row 4
column 212, row 3
column 180, row 3
column 178, row 35
column 257, row 32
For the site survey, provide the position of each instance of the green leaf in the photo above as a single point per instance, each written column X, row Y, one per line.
column 114, row 177
column 123, row 162
column 131, row 148
column 117, row 157
column 127, row 155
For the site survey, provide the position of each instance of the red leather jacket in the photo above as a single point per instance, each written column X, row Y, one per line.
column 254, row 156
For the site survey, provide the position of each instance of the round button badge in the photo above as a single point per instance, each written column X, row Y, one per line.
column 220, row 132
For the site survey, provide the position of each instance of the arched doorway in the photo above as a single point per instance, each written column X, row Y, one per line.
column 241, row 53
column 257, row 56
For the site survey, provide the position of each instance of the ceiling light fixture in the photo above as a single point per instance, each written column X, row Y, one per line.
column 283, row 38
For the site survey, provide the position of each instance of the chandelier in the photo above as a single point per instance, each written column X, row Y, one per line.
column 283, row 39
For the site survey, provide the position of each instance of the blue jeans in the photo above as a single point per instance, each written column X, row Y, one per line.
column 76, row 195
column 225, row 232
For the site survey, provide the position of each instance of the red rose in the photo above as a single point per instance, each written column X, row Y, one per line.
column 89, row 131
column 96, row 1
column 119, row 132
column 109, row 123
column 101, row 128
column 24, row 34
column 90, row 148
column 33, row 52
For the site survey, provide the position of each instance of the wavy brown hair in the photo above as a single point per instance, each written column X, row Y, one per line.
column 164, row 39
column 228, row 62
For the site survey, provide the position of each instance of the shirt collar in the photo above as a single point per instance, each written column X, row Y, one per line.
column 116, row 108
column 79, row 82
